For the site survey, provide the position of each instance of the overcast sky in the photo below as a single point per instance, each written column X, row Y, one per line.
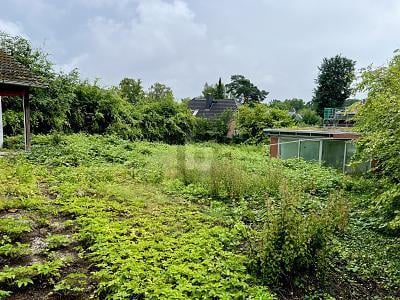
column 278, row 44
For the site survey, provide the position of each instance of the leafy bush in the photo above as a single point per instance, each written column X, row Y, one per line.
column 14, row 228
column 253, row 120
column 294, row 240
column 165, row 120
column 71, row 285
column 213, row 129
column 310, row 117
column 378, row 121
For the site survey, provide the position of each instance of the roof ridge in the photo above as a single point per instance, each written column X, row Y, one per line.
column 15, row 73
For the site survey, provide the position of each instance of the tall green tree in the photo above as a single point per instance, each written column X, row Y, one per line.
column 220, row 90
column 131, row 89
column 241, row 87
column 217, row 91
column 159, row 91
column 209, row 90
column 335, row 77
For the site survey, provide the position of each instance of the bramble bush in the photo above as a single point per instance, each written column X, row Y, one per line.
column 378, row 121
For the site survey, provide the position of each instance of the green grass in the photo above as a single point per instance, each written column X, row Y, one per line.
column 134, row 219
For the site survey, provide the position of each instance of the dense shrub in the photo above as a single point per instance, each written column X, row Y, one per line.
column 69, row 104
column 253, row 120
column 378, row 121
column 310, row 117
column 294, row 241
column 165, row 120
column 213, row 129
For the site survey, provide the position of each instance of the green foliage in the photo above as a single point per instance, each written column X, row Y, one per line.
column 289, row 221
column 335, row 77
column 220, row 90
column 71, row 285
column 159, row 91
column 19, row 47
column 288, row 104
column 294, row 240
column 165, row 120
column 209, row 90
column 56, row 241
column 378, row 122
column 310, row 117
column 215, row 129
column 200, row 221
column 72, row 105
column 4, row 294
column 241, row 87
column 378, row 119
column 25, row 275
column 13, row 227
column 131, row 90
column 96, row 109
column 11, row 250
column 253, row 120
column 217, row 91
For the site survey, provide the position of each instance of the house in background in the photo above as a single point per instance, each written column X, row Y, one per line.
column 331, row 147
column 210, row 108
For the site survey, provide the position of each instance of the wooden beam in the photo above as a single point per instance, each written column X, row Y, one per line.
column 12, row 93
column 1, row 126
column 27, row 121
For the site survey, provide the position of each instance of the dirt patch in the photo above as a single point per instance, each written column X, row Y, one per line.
column 45, row 190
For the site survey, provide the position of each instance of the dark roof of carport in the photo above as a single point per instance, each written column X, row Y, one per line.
column 14, row 73
column 335, row 133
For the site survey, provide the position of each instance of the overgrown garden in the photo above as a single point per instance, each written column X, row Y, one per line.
column 126, row 195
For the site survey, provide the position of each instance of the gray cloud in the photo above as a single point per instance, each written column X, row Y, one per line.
column 277, row 44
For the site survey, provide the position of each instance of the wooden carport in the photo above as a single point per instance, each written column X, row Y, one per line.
column 16, row 80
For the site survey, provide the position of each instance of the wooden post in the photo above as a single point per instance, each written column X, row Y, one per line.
column 1, row 126
column 27, row 121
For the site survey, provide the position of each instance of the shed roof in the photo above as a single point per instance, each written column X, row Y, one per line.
column 334, row 133
column 14, row 73
column 199, row 107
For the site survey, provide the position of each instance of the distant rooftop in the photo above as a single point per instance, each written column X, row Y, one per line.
column 210, row 108
column 14, row 73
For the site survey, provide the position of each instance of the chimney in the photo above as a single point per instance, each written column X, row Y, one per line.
column 209, row 101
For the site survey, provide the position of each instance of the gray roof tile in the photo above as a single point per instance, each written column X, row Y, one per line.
column 218, row 106
column 13, row 72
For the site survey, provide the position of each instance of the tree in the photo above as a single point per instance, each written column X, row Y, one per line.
column 131, row 89
column 241, row 87
column 208, row 90
column 220, row 90
column 217, row 91
column 159, row 91
column 49, row 106
column 288, row 104
column 334, row 81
